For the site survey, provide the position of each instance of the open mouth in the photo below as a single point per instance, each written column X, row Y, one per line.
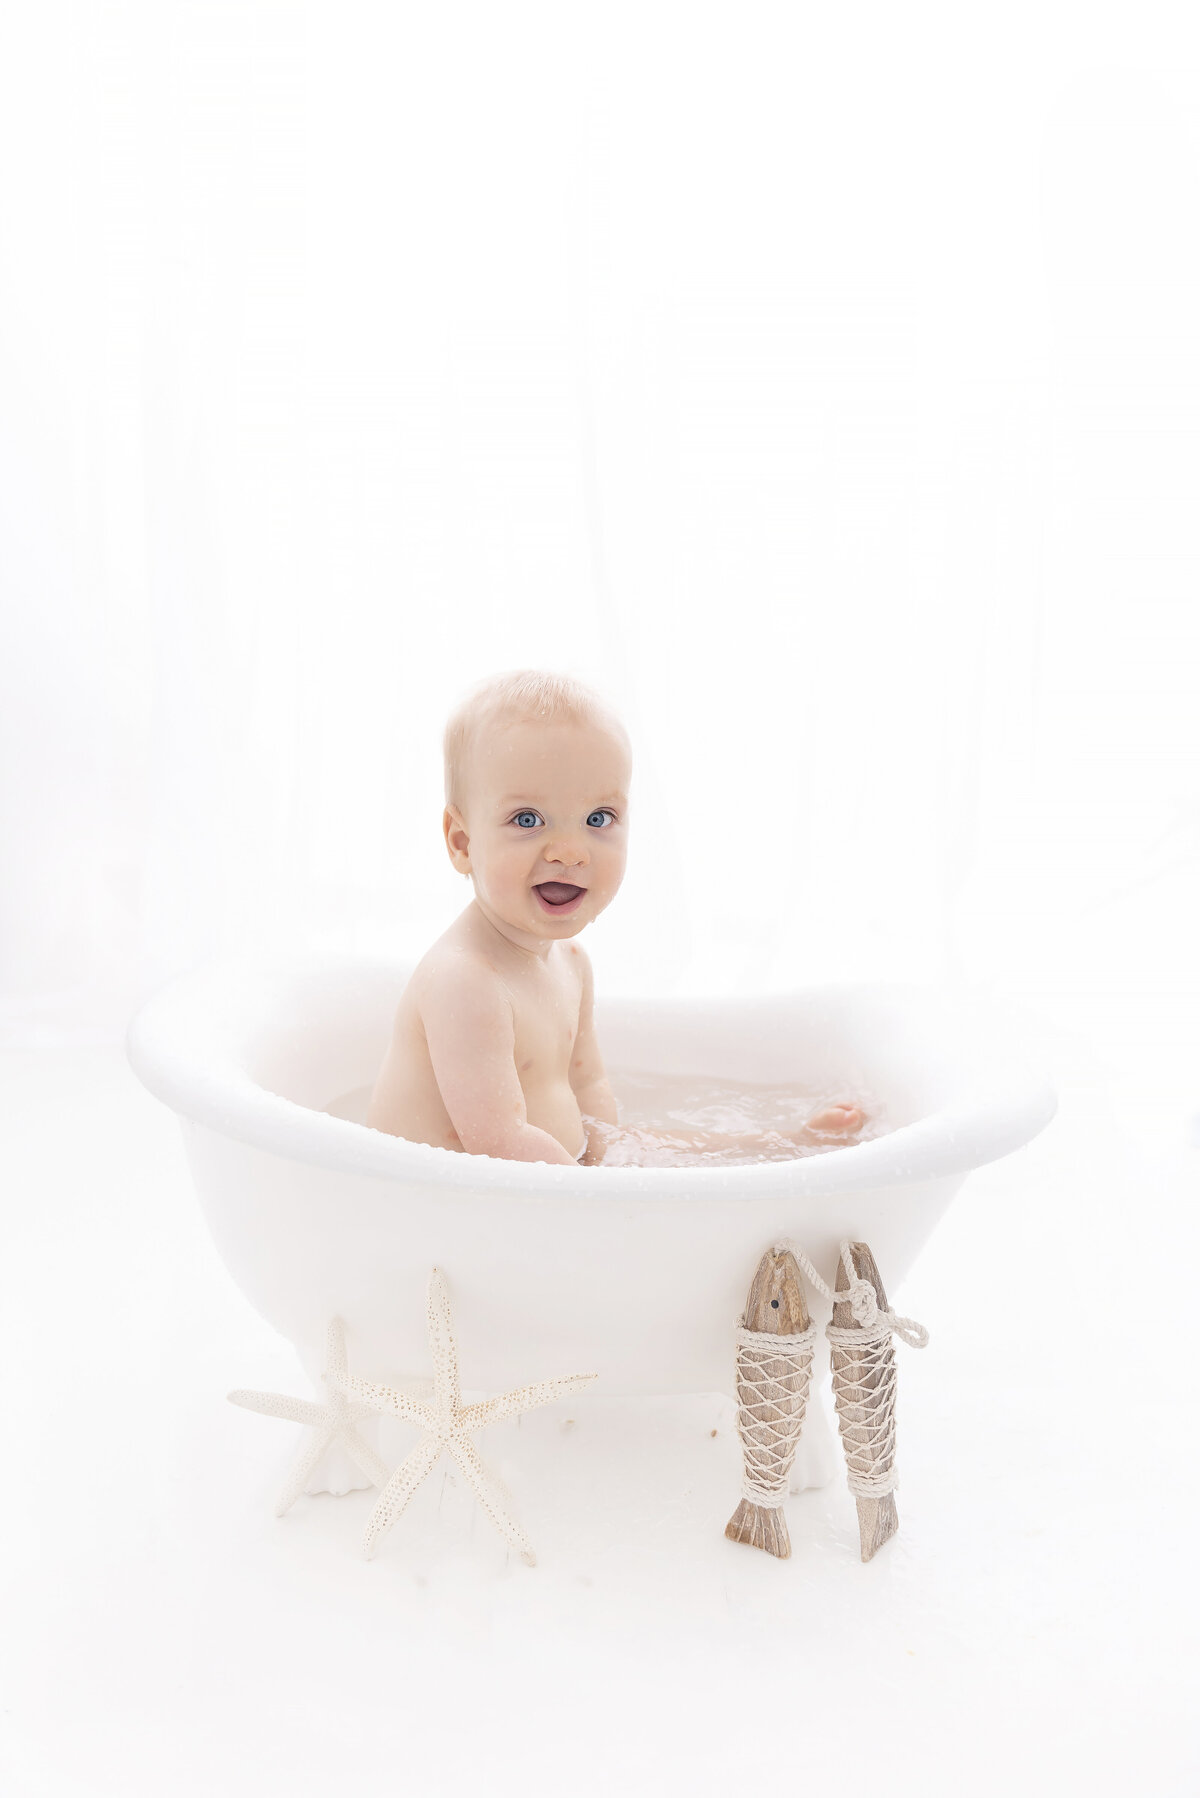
column 559, row 895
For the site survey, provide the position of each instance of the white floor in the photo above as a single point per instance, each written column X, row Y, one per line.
column 1030, row 1628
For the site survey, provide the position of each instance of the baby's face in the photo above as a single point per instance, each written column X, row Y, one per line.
column 546, row 807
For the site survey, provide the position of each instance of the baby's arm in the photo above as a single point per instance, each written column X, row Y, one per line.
column 589, row 1082
column 469, row 1031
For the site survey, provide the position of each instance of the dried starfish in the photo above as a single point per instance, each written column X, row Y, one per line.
column 334, row 1421
column 447, row 1424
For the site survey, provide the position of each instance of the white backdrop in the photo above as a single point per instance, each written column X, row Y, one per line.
column 823, row 384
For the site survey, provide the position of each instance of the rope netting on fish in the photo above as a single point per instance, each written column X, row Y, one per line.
column 774, row 1370
column 773, row 1377
column 775, row 1345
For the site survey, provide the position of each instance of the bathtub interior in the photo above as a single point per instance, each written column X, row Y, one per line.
column 267, row 1053
column 322, row 1033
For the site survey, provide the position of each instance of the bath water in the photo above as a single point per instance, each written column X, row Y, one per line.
column 650, row 1105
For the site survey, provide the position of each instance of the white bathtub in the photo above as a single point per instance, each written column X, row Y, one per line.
column 636, row 1273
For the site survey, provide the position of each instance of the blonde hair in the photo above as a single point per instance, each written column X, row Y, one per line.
column 520, row 696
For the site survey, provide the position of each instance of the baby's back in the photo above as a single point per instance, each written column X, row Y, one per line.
column 407, row 1100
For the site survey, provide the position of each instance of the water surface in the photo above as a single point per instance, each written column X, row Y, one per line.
column 651, row 1105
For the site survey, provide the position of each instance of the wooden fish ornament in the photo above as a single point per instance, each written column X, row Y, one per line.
column 862, row 1358
column 774, row 1369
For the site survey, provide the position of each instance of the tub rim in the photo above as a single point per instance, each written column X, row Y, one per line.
column 199, row 1077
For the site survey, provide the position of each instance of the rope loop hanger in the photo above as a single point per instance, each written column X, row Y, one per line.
column 870, row 1323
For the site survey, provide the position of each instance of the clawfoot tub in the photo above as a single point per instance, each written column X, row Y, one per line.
column 638, row 1273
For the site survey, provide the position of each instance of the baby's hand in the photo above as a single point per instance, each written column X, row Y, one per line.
column 832, row 1122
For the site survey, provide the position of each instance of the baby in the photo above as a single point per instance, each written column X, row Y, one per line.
column 494, row 1049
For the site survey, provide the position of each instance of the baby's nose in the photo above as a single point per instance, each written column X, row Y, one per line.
column 568, row 852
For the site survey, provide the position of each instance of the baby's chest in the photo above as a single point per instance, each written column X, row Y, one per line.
column 544, row 1035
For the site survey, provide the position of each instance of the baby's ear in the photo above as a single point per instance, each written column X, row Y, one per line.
column 457, row 842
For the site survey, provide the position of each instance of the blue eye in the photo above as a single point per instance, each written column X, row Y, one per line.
column 605, row 813
column 533, row 815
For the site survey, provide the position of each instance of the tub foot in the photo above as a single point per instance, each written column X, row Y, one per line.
column 816, row 1463
column 774, row 1367
column 337, row 1473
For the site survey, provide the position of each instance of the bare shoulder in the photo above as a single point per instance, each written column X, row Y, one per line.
column 453, row 977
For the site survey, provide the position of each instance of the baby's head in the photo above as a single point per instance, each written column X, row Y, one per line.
column 537, row 791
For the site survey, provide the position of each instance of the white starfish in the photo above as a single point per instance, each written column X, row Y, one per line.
column 448, row 1423
column 334, row 1421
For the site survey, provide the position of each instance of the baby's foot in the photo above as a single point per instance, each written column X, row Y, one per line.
column 832, row 1122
